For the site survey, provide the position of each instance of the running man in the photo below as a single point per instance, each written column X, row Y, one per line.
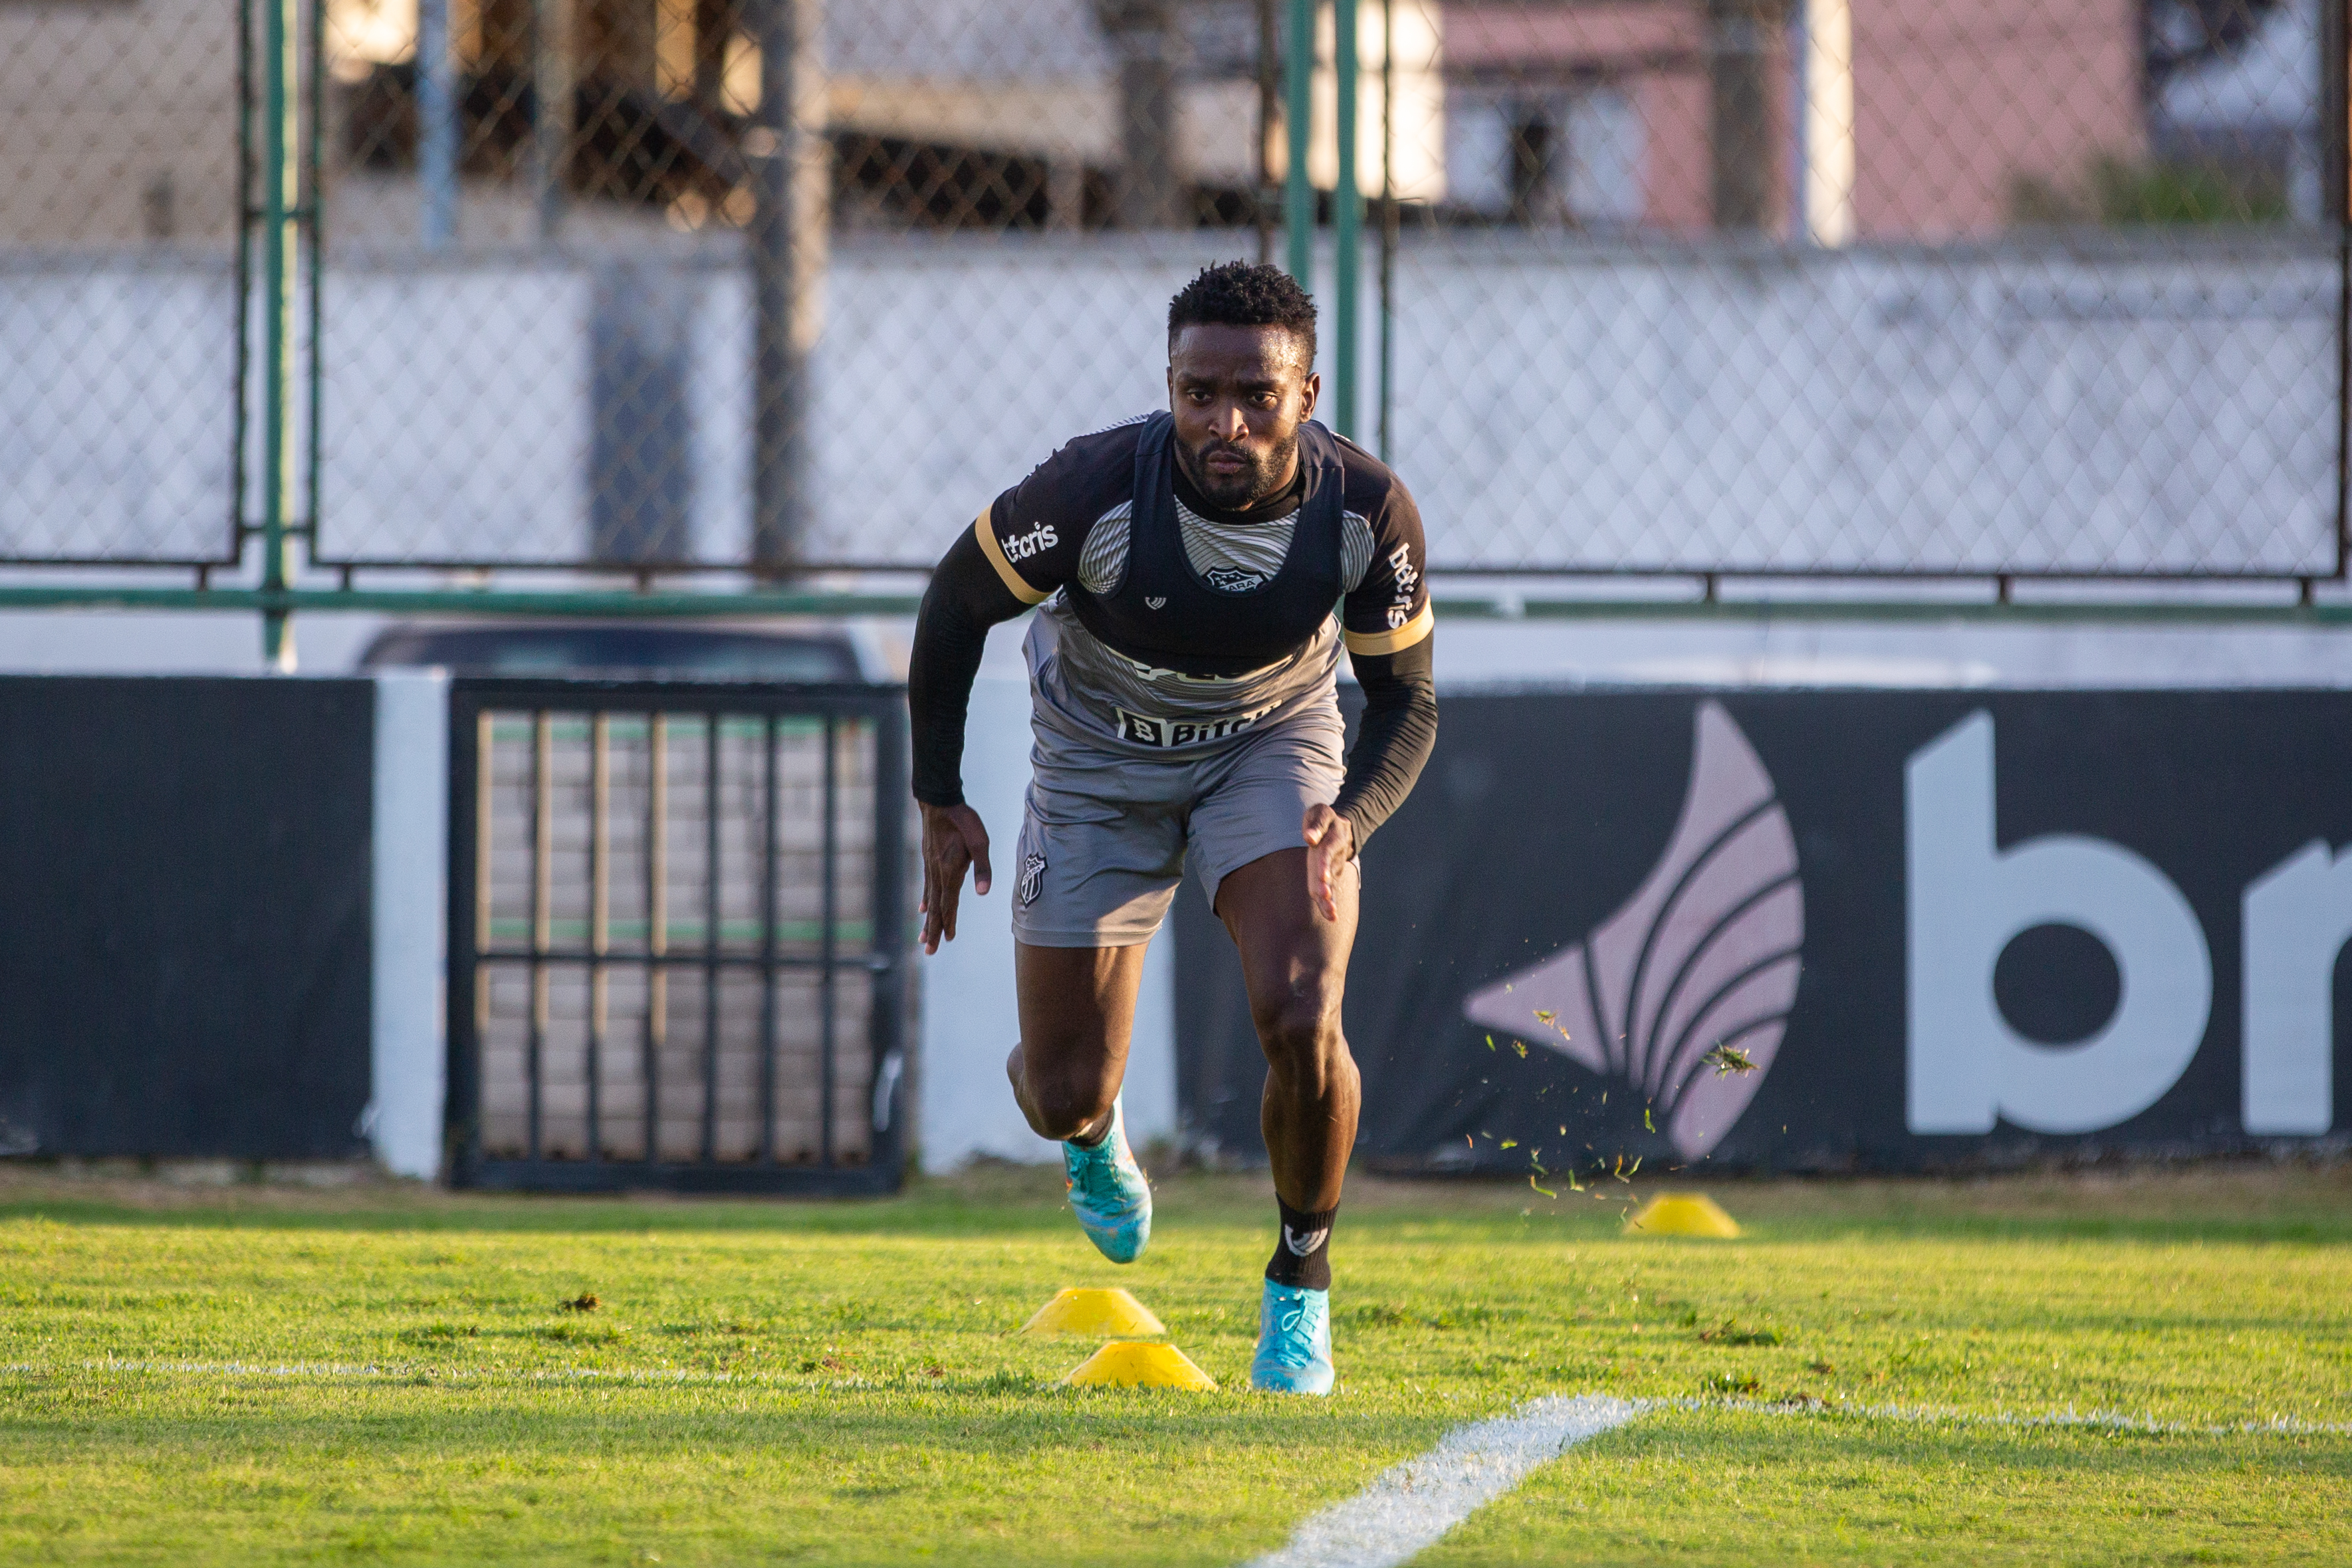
column 1182, row 671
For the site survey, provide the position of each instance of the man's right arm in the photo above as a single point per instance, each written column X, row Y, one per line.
column 975, row 586
column 966, row 597
column 1021, row 547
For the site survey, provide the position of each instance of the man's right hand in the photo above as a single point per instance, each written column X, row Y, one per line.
column 953, row 839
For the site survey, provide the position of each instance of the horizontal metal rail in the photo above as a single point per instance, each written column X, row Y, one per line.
column 2308, row 610
column 639, row 959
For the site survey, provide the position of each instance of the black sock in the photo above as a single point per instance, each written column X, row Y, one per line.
column 1302, row 1258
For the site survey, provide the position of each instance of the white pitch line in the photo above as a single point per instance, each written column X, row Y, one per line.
column 1412, row 1506
column 2101, row 1420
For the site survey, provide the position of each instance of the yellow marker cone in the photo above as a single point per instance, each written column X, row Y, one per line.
column 1126, row 1364
column 1682, row 1214
column 1101, row 1313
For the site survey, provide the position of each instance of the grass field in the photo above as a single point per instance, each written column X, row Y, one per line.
column 1879, row 1372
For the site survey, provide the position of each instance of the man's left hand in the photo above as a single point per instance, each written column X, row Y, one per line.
column 1330, row 845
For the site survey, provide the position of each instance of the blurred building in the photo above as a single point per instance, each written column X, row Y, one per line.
column 942, row 114
column 2239, row 103
column 1685, row 114
column 1862, row 120
column 117, row 123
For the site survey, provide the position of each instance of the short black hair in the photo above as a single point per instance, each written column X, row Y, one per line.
column 1245, row 294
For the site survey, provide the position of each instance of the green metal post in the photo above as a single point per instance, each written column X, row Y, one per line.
column 314, row 263
column 1346, row 224
column 280, row 166
column 1298, row 115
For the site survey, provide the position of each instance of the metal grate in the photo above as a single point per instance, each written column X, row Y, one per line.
column 678, row 936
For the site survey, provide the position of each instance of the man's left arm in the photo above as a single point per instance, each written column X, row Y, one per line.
column 1389, row 630
column 1394, row 737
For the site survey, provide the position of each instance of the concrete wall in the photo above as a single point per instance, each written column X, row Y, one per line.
column 410, row 926
column 1587, row 406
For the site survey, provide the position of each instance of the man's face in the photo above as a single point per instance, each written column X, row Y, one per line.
column 1238, row 394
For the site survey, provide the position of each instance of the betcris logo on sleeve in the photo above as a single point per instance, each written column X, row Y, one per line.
column 1037, row 540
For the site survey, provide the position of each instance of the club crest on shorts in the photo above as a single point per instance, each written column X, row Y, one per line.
column 1155, row 602
column 1032, row 879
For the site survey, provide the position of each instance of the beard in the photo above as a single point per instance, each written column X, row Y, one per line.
column 1246, row 488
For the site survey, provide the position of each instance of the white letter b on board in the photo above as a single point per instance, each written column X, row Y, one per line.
column 2297, row 916
column 1966, row 899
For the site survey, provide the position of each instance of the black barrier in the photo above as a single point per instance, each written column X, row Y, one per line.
column 1828, row 930
column 185, row 943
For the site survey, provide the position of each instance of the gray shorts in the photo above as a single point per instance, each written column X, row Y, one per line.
column 1106, row 837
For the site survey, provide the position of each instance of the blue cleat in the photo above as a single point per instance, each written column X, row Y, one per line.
column 1294, row 1341
column 1109, row 1193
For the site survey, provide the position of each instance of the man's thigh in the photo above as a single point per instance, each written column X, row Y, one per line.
column 1078, row 1005
column 1293, row 962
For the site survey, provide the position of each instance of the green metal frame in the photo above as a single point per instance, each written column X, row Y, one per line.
column 281, row 221
column 659, row 605
column 1299, row 198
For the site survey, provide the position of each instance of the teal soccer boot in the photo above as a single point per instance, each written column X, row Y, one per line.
column 1109, row 1193
column 1294, row 1341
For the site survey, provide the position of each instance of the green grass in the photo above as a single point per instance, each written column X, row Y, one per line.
column 252, row 1375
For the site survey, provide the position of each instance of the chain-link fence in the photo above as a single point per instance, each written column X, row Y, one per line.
column 1807, row 287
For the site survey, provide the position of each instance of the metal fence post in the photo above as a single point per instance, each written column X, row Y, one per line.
column 280, row 170
column 436, row 129
column 2336, row 209
column 551, row 109
column 1299, row 114
column 1144, row 38
column 1740, row 117
column 1387, row 415
column 791, row 160
column 1269, row 105
column 1347, row 221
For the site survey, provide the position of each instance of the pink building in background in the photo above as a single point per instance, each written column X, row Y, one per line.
column 1954, row 103
column 1957, row 101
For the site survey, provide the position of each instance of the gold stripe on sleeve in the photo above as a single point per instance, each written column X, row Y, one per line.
column 1395, row 642
column 995, row 554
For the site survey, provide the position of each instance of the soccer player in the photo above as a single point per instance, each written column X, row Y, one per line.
column 1182, row 675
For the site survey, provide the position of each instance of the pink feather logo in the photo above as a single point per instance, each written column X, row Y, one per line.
column 1698, row 967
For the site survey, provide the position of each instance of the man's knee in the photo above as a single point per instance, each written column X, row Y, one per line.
column 1067, row 1103
column 1300, row 1027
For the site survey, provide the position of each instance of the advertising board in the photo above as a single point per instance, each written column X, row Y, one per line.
column 1836, row 929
